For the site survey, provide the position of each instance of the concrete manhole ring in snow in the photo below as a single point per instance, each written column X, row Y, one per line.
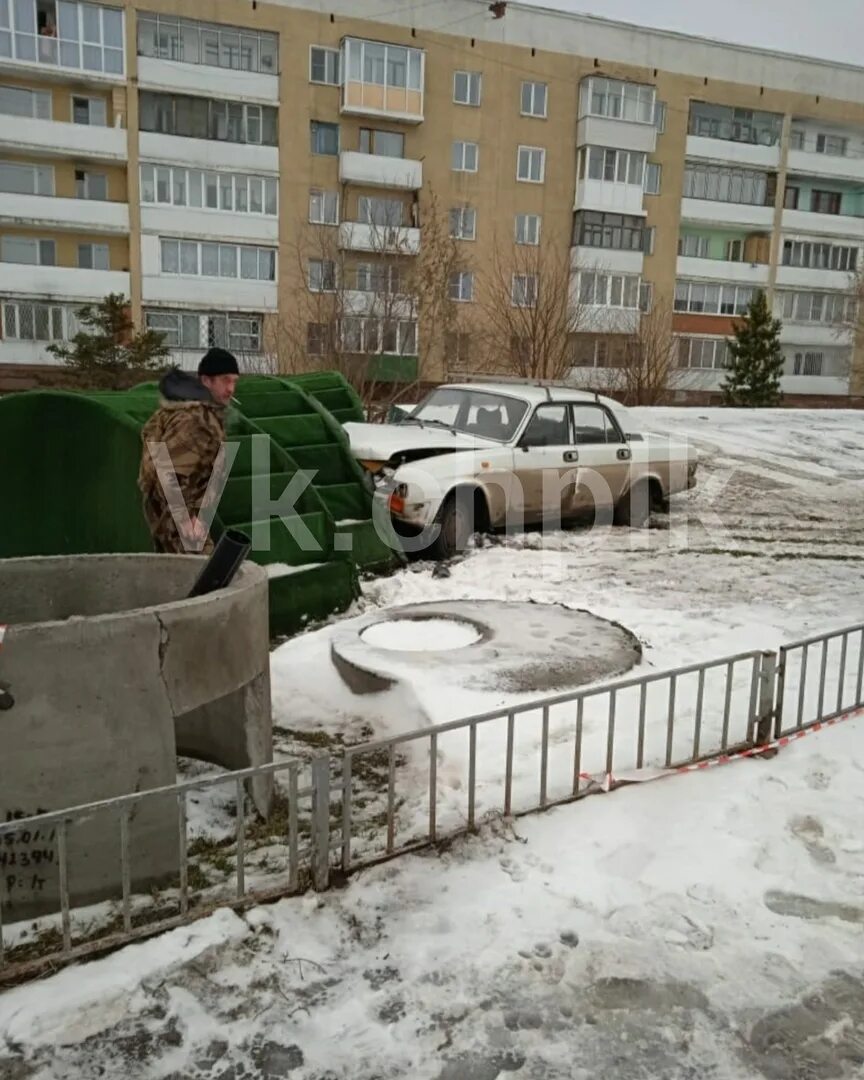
column 482, row 645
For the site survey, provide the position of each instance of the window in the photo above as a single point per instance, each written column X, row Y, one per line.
column 203, row 118
column 463, row 223
column 381, row 280
column 321, row 275
column 834, row 145
column 198, row 330
column 26, row 179
column 722, row 184
column 828, row 309
column 617, row 100
column 34, row 104
column 653, row 173
column 464, row 156
column 27, row 249
column 592, row 424
column 457, row 349
column 735, row 251
column 324, row 65
column 373, row 335
column 694, row 247
column 67, row 35
column 808, row 363
column 710, row 299
column 797, row 139
column 534, row 99
column 660, row 116
column 531, row 164
column 523, row 290
column 550, row 424
column 89, row 110
column 378, row 211
column 528, row 229
column 825, row 202
column 617, row 166
column 193, row 257
column 32, row 321
column 237, row 192
column 817, row 256
column 193, row 42
column 324, row 207
column 462, row 286
column 317, row 338
column 375, row 63
column 93, row 257
column 790, row 197
column 382, row 143
column 609, row 290
column 703, row 353
column 90, row 185
column 618, row 232
column 466, row 87
column 734, row 125
column 325, row 138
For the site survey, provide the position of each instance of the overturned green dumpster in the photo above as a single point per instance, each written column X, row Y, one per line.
column 69, row 464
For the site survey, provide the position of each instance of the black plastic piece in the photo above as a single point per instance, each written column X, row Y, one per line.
column 230, row 551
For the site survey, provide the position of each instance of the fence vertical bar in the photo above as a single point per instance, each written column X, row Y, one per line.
column 802, row 686
column 182, row 853
column 860, row 686
column 508, row 767
column 240, row 795
column 841, row 682
column 727, row 704
column 472, row 772
column 640, row 738
column 320, row 823
column 781, row 692
column 125, row 876
column 346, row 811
column 697, row 720
column 433, row 787
column 754, row 700
column 765, row 715
column 391, row 797
column 670, row 719
column 2, row 946
column 823, row 668
column 610, row 732
column 294, row 828
column 544, row 756
column 64, row 886
column 577, row 749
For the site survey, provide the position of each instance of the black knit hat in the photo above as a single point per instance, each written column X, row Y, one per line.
column 218, row 361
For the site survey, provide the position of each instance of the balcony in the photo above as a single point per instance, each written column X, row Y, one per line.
column 216, row 82
column 617, row 134
column 813, row 278
column 62, row 38
column 362, row 302
column 208, row 153
column 610, row 196
column 74, row 215
column 826, row 334
column 60, row 282
column 837, row 225
column 722, row 270
column 198, row 291
column 50, row 138
column 606, row 260
column 191, row 223
column 728, row 152
column 375, row 170
column 805, row 159
column 390, row 239
column 382, row 80
column 743, row 215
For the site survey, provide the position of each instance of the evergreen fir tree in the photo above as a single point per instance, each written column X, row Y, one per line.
column 753, row 378
column 108, row 345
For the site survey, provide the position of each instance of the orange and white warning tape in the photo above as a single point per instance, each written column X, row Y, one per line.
column 607, row 781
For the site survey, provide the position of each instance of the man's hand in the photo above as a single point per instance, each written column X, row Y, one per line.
column 196, row 532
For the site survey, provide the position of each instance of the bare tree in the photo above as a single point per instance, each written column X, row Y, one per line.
column 370, row 302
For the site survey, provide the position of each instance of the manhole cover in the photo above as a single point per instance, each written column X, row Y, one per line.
column 421, row 635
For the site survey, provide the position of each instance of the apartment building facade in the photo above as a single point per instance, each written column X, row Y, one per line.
column 184, row 154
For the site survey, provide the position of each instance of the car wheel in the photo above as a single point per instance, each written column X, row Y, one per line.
column 457, row 522
column 634, row 507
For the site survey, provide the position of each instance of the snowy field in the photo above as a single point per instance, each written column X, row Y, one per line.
column 707, row 926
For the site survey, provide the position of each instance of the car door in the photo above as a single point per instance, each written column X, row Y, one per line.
column 544, row 470
column 604, row 458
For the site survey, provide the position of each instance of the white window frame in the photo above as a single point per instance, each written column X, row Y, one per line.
column 473, row 86
column 523, row 290
column 728, row 293
column 827, row 138
column 323, row 196
column 12, row 320
column 694, row 246
column 75, row 47
column 332, row 65
column 92, row 100
column 805, row 254
column 639, row 100
column 321, row 275
column 203, row 320
column 39, row 249
column 264, row 255
column 717, row 347
column 181, row 181
column 36, row 172
column 461, row 217
column 530, row 151
column 610, row 290
column 525, row 238
column 532, row 86
column 41, row 102
column 653, row 178
column 622, row 162
column 100, row 256
column 325, row 124
column 465, row 144
column 461, row 286
column 88, row 175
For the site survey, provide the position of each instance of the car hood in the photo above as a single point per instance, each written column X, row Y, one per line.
column 379, row 442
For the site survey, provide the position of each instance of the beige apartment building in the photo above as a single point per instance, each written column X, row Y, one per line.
column 274, row 176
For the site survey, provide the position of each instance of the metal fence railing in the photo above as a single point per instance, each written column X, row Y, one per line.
column 383, row 798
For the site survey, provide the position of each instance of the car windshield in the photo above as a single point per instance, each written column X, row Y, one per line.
column 475, row 412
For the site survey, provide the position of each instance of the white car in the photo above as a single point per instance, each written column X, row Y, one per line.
column 475, row 457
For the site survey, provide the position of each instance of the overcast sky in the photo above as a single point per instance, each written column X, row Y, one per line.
column 832, row 29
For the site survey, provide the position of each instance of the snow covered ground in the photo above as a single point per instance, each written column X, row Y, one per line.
column 708, row 926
